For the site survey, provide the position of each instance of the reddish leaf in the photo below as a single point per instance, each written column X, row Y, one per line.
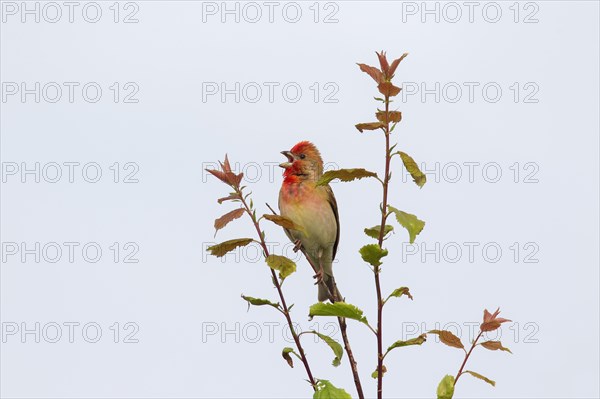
column 388, row 89
column 369, row 126
column 372, row 72
column 219, row 175
column 491, row 322
column 228, row 217
column 225, row 165
column 494, row 345
column 448, row 338
column 393, row 116
column 384, row 63
column 489, row 326
column 394, row 65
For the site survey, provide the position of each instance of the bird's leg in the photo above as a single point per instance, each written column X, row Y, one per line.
column 297, row 245
column 319, row 273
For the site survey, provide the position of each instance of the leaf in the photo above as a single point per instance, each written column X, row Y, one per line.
column 232, row 196
column 394, row 65
column 326, row 390
column 388, row 89
column 448, row 338
column 337, row 349
column 286, row 355
column 490, row 325
column 369, row 126
column 398, row 292
column 445, row 389
column 481, row 377
column 259, row 302
column 344, row 175
column 219, row 175
column 374, row 374
column 414, row 341
column 372, row 254
column 409, row 221
column 383, row 62
column 373, row 72
column 491, row 322
column 283, row 265
column 338, row 309
column 221, row 249
column 411, row 166
column 494, row 345
column 283, row 222
column 393, row 116
column 373, row 232
column 228, row 217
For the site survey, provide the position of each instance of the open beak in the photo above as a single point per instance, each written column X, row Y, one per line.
column 290, row 158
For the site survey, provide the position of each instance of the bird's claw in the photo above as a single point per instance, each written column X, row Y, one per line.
column 319, row 277
column 297, row 245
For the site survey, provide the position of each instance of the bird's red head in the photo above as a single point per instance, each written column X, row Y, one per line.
column 304, row 161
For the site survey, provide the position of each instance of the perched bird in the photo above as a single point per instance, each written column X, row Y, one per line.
column 315, row 210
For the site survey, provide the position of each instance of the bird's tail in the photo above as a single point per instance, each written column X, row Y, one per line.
column 328, row 286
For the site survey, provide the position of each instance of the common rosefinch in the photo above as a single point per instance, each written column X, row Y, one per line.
column 314, row 209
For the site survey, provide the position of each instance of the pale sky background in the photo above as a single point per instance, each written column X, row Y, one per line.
column 182, row 329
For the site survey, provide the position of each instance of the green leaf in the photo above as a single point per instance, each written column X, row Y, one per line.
column 283, row 222
column 221, row 249
column 445, row 389
column 414, row 341
column 448, row 338
column 372, row 254
column 288, row 358
column 338, row 309
column 373, row 232
column 398, row 292
column 481, row 377
column 344, row 175
column 375, row 373
column 494, row 345
column 284, row 265
column 337, row 349
column 411, row 166
column 259, row 302
column 409, row 222
column 326, row 390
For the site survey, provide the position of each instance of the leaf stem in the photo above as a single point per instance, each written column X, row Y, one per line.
column 384, row 215
column 285, row 310
column 462, row 366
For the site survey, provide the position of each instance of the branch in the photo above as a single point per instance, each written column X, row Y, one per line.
column 285, row 311
column 343, row 329
column 462, row 366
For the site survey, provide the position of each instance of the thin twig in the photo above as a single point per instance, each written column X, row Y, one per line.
column 286, row 311
column 384, row 215
column 462, row 366
column 343, row 329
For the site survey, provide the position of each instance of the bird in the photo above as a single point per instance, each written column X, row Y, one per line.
column 314, row 210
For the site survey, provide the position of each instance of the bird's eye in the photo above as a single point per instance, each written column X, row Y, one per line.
column 302, row 156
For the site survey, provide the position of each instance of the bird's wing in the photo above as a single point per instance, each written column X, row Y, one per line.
column 334, row 208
